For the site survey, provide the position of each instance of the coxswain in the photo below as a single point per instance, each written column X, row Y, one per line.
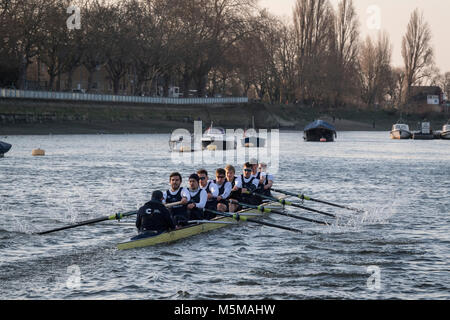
column 248, row 183
column 224, row 190
column 207, row 185
column 153, row 217
column 265, row 179
column 198, row 198
column 176, row 193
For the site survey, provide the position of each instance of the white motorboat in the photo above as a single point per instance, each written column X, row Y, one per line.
column 400, row 131
column 180, row 143
column 215, row 138
column 445, row 134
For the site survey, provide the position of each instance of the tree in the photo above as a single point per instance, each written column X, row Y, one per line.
column 346, row 50
column 21, row 26
column 314, row 32
column 54, row 45
column 417, row 51
column 447, row 84
column 375, row 69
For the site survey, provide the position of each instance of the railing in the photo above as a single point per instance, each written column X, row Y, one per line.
column 75, row 96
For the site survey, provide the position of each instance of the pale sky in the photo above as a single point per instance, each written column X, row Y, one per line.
column 393, row 17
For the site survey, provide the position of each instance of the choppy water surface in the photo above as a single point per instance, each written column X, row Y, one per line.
column 405, row 235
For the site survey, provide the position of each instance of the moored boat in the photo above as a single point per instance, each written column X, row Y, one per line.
column 4, row 148
column 445, row 134
column 400, row 131
column 424, row 133
column 215, row 138
column 191, row 230
column 180, row 144
column 252, row 139
column 319, row 131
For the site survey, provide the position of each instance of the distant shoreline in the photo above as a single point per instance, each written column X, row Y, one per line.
column 117, row 128
column 31, row 117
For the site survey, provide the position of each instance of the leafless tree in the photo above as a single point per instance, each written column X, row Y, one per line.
column 417, row 51
column 447, row 84
column 375, row 69
column 21, row 25
column 346, row 50
column 314, row 32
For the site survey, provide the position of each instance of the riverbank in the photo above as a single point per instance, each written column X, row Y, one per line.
column 19, row 117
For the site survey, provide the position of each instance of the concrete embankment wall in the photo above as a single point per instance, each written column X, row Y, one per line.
column 22, row 116
column 30, row 116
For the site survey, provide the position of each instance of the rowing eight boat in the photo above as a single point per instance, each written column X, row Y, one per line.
column 192, row 230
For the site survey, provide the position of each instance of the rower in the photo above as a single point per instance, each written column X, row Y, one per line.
column 235, row 187
column 248, row 182
column 176, row 194
column 198, row 198
column 153, row 217
column 207, row 185
column 254, row 164
column 265, row 179
column 224, row 190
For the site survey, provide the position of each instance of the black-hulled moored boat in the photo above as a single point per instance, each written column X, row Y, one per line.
column 319, row 131
column 4, row 148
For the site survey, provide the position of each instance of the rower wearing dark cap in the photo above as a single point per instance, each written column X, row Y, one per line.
column 198, row 198
column 153, row 217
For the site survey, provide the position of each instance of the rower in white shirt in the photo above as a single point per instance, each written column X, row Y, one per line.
column 254, row 164
column 198, row 198
column 208, row 186
column 248, row 183
column 265, row 179
column 223, row 190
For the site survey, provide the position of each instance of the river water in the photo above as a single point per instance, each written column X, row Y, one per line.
column 399, row 248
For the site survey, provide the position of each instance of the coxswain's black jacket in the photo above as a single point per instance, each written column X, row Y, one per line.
column 154, row 216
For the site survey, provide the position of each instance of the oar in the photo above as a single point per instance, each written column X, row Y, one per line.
column 210, row 221
column 269, row 210
column 117, row 216
column 303, row 197
column 238, row 217
column 284, row 202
